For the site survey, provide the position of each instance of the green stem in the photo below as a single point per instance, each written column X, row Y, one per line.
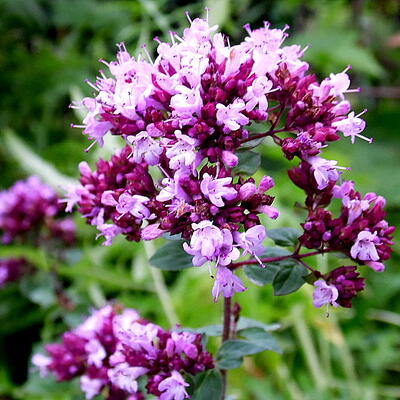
column 225, row 336
column 161, row 288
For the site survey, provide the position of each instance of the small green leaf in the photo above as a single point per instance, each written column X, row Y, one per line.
column 238, row 348
column 289, row 279
column 210, row 387
column 284, row 236
column 245, row 323
column 172, row 257
column 229, row 362
column 230, row 354
column 210, row 330
column 262, row 338
column 249, row 162
column 261, row 276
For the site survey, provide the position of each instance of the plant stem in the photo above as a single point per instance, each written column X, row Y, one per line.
column 267, row 260
column 161, row 288
column 225, row 336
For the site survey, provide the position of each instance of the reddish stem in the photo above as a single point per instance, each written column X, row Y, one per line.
column 278, row 258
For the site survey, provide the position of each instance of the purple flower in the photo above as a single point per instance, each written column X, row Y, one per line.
column 12, row 269
column 172, row 188
column 256, row 94
column 355, row 208
column 364, row 247
column 217, row 188
column 231, row 116
column 113, row 348
column 347, row 282
column 96, row 353
column 173, row 387
column 325, row 171
column 127, row 203
column 109, row 231
column 125, row 377
column 91, row 387
column 145, row 148
column 30, row 209
column 182, row 153
column 251, row 240
column 42, row 362
column 187, row 102
column 227, row 283
column 205, row 243
column 324, row 294
column 352, row 126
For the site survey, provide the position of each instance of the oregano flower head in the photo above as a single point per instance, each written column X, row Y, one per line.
column 192, row 113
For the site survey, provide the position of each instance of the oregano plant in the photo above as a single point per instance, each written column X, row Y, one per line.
column 185, row 173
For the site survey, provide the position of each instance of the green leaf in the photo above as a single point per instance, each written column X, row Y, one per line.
column 229, row 362
column 210, row 387
column 249, row 162
column 289, row 279
column 230, row 354
column 33, row 164
column 262, row 338
column 261, row 276
column 284, row 236
column 172, row 257
column 210, row 330
column 245, row 323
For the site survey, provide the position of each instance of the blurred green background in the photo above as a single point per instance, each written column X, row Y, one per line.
column 49, row 47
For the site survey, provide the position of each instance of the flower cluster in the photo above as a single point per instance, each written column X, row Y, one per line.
column 11, row 269
column 188, row 114
column 31, row 210
column 360, row 231
column 114, row 348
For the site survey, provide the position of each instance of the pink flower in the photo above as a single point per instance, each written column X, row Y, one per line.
column 42, row 362
column 187, row 101
column 325, row 171
column 125, row 377
column 377, row 266
column 127, row 203
column 364, row 247
column 256, row 94
column 251, row 240
column 183, row 152
column 205, row 242
column 96, row 353
column 264, row 39
column 109, row 231
column 352, row 126
column 355, row 208
column 91, row 387
column 324, row 294
column 226, row 282
column 217, row 188
column 172, row 189
column 173, row 388
column 230, row 116
column 145, row 148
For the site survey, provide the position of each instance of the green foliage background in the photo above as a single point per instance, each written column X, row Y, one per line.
column 49, row 47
